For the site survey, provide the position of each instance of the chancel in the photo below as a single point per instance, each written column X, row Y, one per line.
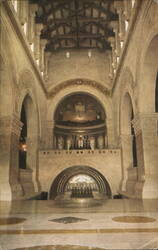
column 79, row 124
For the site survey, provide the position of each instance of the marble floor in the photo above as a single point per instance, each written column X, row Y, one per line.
column 116, row 224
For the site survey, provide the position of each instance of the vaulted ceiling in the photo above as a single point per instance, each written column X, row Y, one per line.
column 72, row 24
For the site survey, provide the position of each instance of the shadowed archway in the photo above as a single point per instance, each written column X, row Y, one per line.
column 59, row 185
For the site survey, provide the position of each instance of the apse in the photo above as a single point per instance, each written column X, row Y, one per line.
column 80, row 123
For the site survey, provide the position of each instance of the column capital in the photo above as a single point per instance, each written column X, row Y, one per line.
column 112, row 41
column 43, row 43
column 118, row 5
column 146, row 122
column 38, row 28
column 11, row 124
column 33, row 9
column 114, row 25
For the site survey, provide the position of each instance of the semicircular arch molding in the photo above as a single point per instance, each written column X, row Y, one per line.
column 105, row 101
column 147, row 73
column 59, row 183
column 127, row 87
column 27, row 88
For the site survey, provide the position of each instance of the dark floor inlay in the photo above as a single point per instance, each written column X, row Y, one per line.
column 12, row 220
column 59, row 247
column 66, row 220
column 133, row 219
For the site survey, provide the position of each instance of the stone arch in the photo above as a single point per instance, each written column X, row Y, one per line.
column 28, row 100
column 59, row 183
column 128, row 144
column 148, row 76
column 103, row 98
column 127, row 86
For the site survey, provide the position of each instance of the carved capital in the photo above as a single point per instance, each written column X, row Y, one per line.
column 11, row 124
column 38, row 28
column 118, row 5
column 43, row 43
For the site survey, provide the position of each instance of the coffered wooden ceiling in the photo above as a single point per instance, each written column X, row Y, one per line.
column 78, row 24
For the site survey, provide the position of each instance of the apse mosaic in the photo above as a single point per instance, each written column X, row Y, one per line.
column 79, row 108
column 80, row 123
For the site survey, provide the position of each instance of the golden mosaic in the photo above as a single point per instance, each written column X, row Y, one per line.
column 133, row 219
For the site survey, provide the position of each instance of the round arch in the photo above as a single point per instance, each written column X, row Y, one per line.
column 127, row 88
column 128, row 143
column 59, row 183
column 148, row 76
column 103, row 99
column 28, row 102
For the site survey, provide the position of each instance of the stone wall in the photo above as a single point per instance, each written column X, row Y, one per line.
column 78, row 65
column 53, row 162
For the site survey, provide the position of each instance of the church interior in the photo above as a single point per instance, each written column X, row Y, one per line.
column 78, row 124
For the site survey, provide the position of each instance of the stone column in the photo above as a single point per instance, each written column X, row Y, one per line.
column 10, row 129
column 120, row 10
column 111, row 71
column 115, row 26
column 38, row 28
column 140, row 156
column 127, row 162
column 31, row 163
column 47, row 56
column 110, row 134
column 43, row 43
column 49, row 126
column 114, row 60
column 149, row 126
column 23, row 14
column 31, row 25
column 127, row 9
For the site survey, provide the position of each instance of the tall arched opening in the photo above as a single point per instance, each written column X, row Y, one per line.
column 148, row 100
column 129, row 149
column 28, row 146
column 80, row 182
column 80, row 123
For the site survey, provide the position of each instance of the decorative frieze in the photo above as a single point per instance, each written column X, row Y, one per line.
column 79, row 82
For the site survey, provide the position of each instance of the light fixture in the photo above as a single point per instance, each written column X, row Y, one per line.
column 89, row 53
column 23, row 147
column 67, row 54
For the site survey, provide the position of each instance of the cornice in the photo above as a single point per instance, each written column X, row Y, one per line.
column 24, row 43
